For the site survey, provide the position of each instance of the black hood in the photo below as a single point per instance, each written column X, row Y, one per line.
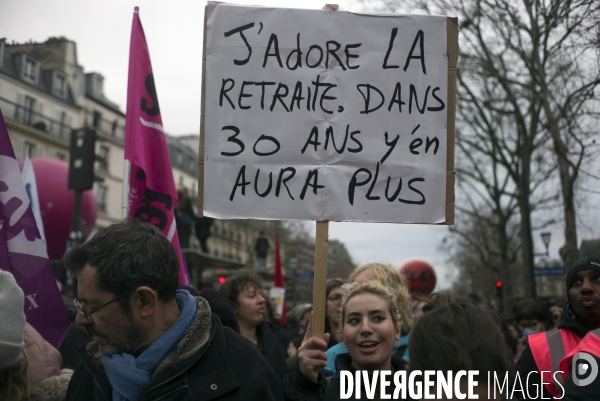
column 568, row 320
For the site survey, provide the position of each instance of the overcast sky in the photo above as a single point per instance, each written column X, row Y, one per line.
column 173, row 31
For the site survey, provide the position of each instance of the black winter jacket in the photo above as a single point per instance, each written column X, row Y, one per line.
column 270, row 346
column 212, row 362
column 296, row 387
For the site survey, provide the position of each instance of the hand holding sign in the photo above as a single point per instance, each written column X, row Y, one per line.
column 311, row 354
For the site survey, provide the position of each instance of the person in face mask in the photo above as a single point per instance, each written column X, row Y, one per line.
column 531, row 317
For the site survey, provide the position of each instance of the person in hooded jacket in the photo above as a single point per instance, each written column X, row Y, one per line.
column 580, row 316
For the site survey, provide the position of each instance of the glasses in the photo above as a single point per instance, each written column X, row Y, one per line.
column 336, row 299
column 87, row 315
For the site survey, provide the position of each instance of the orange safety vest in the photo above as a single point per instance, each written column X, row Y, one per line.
column 589, row 344
column 548, row 350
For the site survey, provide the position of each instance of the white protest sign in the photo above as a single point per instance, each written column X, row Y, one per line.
column 325, row 115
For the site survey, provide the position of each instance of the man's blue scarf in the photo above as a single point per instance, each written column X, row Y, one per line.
column 130, row 376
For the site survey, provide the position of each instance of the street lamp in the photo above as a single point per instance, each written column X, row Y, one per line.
column 546, row 240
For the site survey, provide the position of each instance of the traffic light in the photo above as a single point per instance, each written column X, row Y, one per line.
column 82, row 158
column 221, row 280
column 499, row 294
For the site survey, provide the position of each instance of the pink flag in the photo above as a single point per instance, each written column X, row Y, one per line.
column 152, row 196
column 278, row 282
column 23, row 253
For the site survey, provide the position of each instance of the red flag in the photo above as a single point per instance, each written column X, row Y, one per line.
column 152, row 196
column 23, row 252
column 278, row 277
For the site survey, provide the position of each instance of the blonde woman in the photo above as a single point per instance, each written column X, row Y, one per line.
column 385, row 274
column 370, row 327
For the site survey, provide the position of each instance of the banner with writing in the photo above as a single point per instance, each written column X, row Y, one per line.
column 152, row 196
column 23, row 251
column 325, row 115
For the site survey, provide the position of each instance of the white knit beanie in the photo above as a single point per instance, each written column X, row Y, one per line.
column 12, row 320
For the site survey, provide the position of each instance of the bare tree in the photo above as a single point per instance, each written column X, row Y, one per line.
column 535, row 65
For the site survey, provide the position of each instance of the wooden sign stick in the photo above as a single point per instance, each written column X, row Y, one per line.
column 320, row 280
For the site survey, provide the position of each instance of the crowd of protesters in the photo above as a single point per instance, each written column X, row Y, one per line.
column 137, row 334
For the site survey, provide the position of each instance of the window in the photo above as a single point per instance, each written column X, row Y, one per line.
column 103, row 161
column 63, row 127
column 28, row 150
column 113, row 130
column 60, row 156
column 28, row 110
column 192, row 165
column 101, row 198
column 179, row 158
column 2, row 47
column 180, row 180
column 30, row 71
column 60, row 86
column 97, row 119
column 97, row 84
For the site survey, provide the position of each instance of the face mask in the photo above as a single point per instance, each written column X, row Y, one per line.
column 528, row 332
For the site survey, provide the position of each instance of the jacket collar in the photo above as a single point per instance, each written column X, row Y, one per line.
column 568, row 320
column 197, row 336
column 205, row 340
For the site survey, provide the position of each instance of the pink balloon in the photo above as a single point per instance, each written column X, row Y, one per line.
column 56, row 204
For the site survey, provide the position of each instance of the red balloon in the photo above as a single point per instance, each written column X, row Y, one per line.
column 56, row 204
column 420, row 277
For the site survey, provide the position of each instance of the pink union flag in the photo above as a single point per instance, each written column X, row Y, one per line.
column 23, row 253
column 152, row 195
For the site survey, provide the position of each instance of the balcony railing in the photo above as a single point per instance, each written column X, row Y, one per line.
column 102, row 125
column 34, row 119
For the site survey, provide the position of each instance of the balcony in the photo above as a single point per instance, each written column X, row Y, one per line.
column 33, row 119
column 110, row 128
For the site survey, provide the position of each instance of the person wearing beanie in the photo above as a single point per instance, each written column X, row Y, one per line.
column 12, row 320
column 13, row 362
column 579, row 326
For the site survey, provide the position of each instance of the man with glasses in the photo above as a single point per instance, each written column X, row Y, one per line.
column 151, row 340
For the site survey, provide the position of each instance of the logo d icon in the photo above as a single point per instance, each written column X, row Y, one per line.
column 583, row 368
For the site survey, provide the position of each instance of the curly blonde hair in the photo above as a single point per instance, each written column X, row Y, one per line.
column 14, row 385
column 387, row 275
column 375, row 288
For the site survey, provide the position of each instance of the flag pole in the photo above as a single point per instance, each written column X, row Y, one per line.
column 127, row 163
